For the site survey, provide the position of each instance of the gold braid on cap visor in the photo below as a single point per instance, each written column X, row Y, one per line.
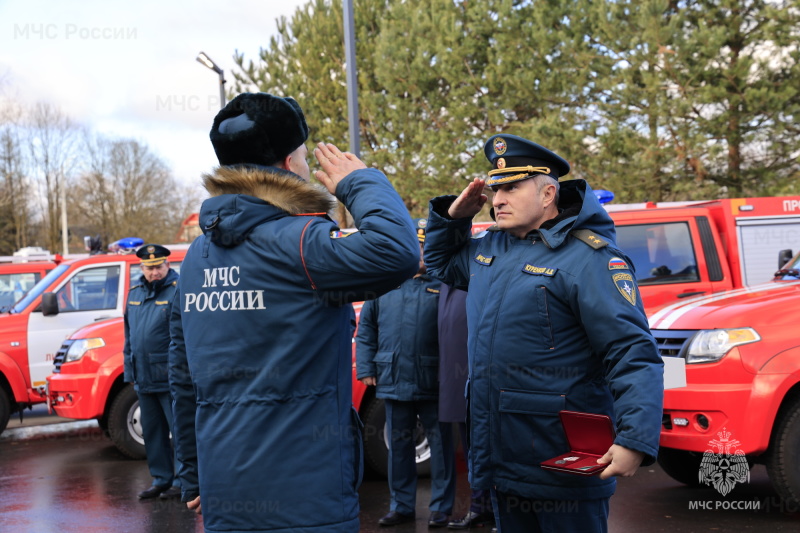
column 154, row 262
column 525, row 172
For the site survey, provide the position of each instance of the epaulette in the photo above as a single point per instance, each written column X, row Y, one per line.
column 135, row 287
column 590, row 238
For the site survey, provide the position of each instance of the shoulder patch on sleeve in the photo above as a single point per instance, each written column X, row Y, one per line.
column 618, row 263
column 340, row 234
column 626, row 286
column 590, row 238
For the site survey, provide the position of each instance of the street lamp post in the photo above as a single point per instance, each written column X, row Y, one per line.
column 205, row 60
column 351, row 77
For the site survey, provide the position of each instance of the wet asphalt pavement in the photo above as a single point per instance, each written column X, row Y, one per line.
column 77, row 482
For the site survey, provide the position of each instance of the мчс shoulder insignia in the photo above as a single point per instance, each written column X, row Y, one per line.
column 590, row 238
column 623, row 281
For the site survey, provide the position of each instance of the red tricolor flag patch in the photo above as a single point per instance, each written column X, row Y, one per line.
column 618, row 263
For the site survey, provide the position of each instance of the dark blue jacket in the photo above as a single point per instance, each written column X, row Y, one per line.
column 261, row 360
column 555, row 323
column 397, row 341
column 453, row 368
column 147, row 315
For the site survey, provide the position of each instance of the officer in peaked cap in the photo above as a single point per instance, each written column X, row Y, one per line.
column 152, row 254
column 145, row 362
column 556, row 323
column 514, row 158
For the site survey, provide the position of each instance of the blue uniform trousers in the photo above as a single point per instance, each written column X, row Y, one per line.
column 156, row 417
column 401, row 422
column 515, row 514
column 480, row 500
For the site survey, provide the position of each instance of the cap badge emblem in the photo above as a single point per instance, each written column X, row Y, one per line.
column 151, row 249
column 500, row 146
column 501, row 163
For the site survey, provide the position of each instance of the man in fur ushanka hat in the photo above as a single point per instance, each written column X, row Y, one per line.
column 261, row 360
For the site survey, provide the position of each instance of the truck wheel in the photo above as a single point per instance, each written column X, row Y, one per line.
column 124, row 423
column 681, row 465
column 376, row 445
column 782, row 461
column 5, row 409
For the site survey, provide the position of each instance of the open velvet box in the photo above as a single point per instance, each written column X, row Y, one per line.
column 589, row 437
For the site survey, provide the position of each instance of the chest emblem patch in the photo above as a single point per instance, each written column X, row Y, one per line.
column 483, row 260
column 617, row 263
column 624, row 283
column 538, row 270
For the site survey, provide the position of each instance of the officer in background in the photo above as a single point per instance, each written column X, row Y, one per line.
column 397, row 350
column 261, row 357
column 555, row 323
column 146, row 351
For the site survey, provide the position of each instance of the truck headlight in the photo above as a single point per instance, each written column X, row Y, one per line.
column 711, row 345
column 81, row 346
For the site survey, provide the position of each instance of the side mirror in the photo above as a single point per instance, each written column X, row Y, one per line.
column 784, row 256
column 49, row 304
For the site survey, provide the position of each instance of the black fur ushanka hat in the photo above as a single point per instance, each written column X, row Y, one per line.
column 258, row 129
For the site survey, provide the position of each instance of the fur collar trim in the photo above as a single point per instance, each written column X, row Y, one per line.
column 277, row 187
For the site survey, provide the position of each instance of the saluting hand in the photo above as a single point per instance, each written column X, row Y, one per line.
column 470, row 201
column 624, row 461
column 335, row 165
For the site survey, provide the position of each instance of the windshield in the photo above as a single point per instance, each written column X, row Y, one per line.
column 39, row 288
column 14, row 286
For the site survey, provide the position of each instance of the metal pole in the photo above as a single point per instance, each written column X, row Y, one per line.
column 352, row 79
column 64, row 229
column 221, row 89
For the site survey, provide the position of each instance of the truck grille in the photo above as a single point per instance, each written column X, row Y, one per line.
column 672, row 342
column 61, row 355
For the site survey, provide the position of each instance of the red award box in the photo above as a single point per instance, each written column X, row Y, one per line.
column 589, row 437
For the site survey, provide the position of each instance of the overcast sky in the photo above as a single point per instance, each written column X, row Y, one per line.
column 128, row 69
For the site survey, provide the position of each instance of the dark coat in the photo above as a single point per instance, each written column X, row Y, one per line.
column 453, row 365
column 147, row 313
column 556, row 322
column 397, row 341
column 261, row 360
